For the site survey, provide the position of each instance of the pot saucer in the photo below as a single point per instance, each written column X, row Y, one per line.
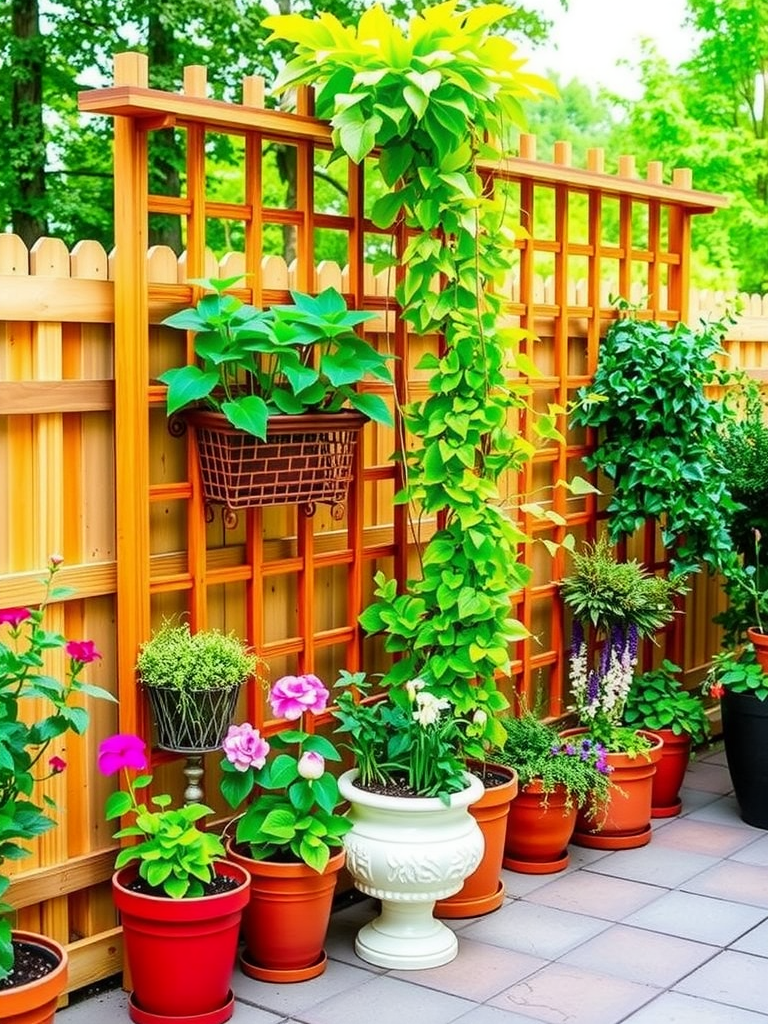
column 282, row 974
column 217, row 1016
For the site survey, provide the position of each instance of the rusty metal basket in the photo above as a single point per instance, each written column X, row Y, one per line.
column 305, row 459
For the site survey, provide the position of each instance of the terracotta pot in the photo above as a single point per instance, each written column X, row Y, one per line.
column 670, row 772
column 409, row 852
column 759, row 641
column 35, row 1002
column 623, row 822
column 286, row 919
column 745, row 734
column 483, row 891
column 181, row 953
column 539, row 828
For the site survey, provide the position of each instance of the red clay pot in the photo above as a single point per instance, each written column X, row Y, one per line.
column 181, row 953
column 670, row 772
column 483, row 890
column 760, row 642
column 624, row 821
column 35, row 1002
column 539, row 828
column 286, row 919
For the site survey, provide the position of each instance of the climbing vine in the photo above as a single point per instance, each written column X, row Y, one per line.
column 431, row 101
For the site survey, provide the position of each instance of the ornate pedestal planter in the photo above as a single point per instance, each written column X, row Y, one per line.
column 410, row 852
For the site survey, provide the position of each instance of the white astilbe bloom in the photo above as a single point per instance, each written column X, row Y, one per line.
column 412, row 687
column 580, row 679
column 616, row 682
column 428, row 708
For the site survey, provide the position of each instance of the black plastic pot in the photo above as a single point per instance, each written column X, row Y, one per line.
column 745, row 732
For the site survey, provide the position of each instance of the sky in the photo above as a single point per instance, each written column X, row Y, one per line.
column 590, row 38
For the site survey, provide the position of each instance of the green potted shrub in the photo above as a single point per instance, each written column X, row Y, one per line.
column 192, row 681
column 621, row 602
column 274, row 387
column 657, row 701
column 557, row 777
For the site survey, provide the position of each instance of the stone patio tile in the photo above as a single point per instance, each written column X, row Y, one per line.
column 565, row 994
column 695, row 836
column 479, row 972
column 708, row 776
column 338, row 980
column 755, row 853
column 387, row 1000
column 722, row 811
column 657, row 865
column 492, row 1015
column 676, row 1008
column 539, row 931
column 636, row 954
column 755, row 941
column 739, row 883
column 598, row 895
column 696, row 917
column 735, row 979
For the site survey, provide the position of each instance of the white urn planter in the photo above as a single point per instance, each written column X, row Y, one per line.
column 409, row 852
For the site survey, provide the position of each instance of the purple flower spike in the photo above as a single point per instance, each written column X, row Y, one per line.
column 632, row 641
column 577, row 637
column 593, row 687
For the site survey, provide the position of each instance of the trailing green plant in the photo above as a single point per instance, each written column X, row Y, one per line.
column 433, row 104
column 743, row 441
column 657, row 434
column 537, row 752
column 285, row 360
column 656, row 700
column 737, row 671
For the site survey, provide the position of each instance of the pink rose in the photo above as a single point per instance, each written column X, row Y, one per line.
column 291, row 696
column 57, row 765
column 311, row 765
column 124, row 750
column 244, row 747
column 82, row 650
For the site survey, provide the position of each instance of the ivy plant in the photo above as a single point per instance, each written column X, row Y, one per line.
column 436, row 103
column 657, row 435
column 656, row 700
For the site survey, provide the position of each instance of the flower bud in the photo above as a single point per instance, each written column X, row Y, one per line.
column 311, row 765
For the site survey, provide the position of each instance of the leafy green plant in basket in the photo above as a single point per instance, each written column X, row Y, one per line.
column 286, row 360
column 36, row 711
column 428, row 103
column 622, row 602
column 656, row 700
column 657, row 434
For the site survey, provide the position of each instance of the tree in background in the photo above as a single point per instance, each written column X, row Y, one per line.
column 57, row 175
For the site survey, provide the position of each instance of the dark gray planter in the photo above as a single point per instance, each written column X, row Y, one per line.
column 191, row 721
column 745, row 733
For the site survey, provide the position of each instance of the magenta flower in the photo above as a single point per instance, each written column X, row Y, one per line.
column 123, row 750
column 57, row 765
column 82, row 650
column 245, row 747
column 14, row 617
column 311, row 765
column 291, row 696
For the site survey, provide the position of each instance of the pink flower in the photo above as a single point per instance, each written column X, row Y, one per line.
column 123, row 750
column 291, row 696
column 14, row 617
column 311, row 765
column 57, row 765
column 82, row 650
column 55, row 559
column 245, row 748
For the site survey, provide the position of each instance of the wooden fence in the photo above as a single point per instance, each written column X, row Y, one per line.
column 89, row 469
